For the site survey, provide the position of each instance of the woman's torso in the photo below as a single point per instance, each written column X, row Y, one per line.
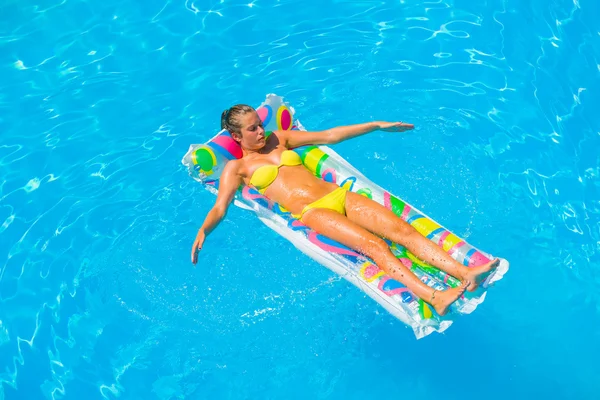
column 294, row 187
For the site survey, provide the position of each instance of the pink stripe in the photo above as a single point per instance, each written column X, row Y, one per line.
column 386, row 200
column 405, row 212
column 407, row 262
column 382, row 282
column 229, row 144
column 312, row 237
column 371, row 270
column 329, row 171
column 297, row 224
column 396, row 291
column 246, row 194
column 478, row 259
column 456, row 247
column 443, row 237
column 392, row 292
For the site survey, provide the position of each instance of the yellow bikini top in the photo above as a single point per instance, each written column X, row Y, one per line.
column 264, row 176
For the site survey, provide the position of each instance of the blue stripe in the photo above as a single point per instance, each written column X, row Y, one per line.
column 414, row 218
column 432, row 234
column 221, row 150
column 468, row 257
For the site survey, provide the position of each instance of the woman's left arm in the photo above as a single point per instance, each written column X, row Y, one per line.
column 338, row 134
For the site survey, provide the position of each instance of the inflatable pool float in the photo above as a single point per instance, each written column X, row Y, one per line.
column 205, row 163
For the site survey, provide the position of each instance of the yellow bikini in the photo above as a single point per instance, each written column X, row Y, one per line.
column 264, row 176
column 335, row 201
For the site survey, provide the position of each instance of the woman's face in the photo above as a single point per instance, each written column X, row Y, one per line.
column 252, row 132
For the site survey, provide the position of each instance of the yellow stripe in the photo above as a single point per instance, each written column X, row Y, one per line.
column 427, row 314
column 312, row 158
column 450, row 241
column 371, row 278
column 425, row 226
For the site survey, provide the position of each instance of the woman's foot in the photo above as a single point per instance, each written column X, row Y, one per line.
column 442, row 300
column 476, row 275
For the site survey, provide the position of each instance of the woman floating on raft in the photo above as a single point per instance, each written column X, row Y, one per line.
column 349, row 218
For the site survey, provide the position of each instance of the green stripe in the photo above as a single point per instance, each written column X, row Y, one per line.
column 305, row 151
column 320, row 164
column 397, row 205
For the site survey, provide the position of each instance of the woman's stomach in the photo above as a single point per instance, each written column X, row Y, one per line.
column 296, row 187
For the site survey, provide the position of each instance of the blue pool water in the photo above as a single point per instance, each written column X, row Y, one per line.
column 99, row 100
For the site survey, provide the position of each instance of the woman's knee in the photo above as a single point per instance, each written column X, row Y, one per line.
column 405, row 229
column 376, row 248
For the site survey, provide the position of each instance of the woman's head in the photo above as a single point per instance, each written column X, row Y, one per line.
column 245, row 126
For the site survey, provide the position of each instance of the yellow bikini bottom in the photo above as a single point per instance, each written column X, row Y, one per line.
column 335, row 201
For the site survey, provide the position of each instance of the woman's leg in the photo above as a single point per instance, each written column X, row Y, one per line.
column 339, row 228
column 377, row 219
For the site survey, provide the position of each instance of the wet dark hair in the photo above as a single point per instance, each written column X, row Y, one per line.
column 230, row 118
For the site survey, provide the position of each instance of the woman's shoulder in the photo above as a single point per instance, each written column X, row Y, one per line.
column 234, row 166
column 239, row 166
column 279, row 136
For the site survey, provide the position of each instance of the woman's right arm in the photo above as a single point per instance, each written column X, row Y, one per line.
column 229, row 182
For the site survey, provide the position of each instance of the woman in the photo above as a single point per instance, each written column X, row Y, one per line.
column 349, row 218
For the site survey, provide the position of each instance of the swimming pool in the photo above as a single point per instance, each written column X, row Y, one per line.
column 99, row 101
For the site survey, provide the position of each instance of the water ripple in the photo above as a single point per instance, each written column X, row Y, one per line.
column 99, row 100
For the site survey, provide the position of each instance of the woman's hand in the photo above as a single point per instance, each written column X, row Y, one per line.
column 197, row 246
column 395, row 126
